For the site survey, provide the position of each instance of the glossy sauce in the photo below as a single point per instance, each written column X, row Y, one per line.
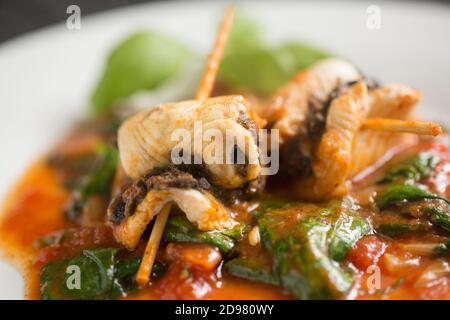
column 35, row 206
column 34, row 209
column 402, row 270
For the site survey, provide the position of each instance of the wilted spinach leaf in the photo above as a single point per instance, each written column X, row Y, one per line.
column 252, row 270
column 396, row 229
column 346, row 231
column 95, row 274
column 404, row 192
column 443, row 248
column 414, row 168
column 439, row 217
column 180, row 229
column 307, row 250
column 96, row 182
column 53, row 238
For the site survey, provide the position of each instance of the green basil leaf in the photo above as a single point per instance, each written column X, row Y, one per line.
column 252, row 270
column 142, row 61
column 257, row 70
column 297, row 56
column 245, row 34
column 250, row 64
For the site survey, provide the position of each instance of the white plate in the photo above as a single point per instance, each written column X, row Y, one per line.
column 46, row 77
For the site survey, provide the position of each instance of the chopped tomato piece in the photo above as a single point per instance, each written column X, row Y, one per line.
column 439, row 179
column 181, row 282
column 198, row 256
column 439, row 148
column 367, row 252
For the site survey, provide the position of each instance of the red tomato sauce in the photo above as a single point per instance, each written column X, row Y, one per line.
column 34, row 209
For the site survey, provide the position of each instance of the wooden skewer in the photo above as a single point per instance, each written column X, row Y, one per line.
column 212, row 66
column 204, row 91
column 145, row 269
column 406, row 126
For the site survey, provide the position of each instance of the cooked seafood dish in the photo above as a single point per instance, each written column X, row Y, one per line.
column 299, row 180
